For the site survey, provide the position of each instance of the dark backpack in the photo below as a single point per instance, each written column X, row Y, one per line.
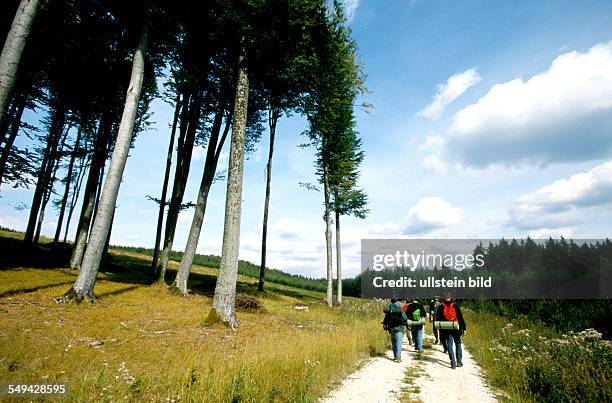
column 393, row 318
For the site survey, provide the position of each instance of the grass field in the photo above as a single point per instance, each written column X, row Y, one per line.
column 142, row 342
column 530, row 362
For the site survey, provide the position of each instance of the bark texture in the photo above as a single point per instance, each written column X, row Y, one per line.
column 13, row 48
column 91, row 186
column 84, row 284
column 224, row 301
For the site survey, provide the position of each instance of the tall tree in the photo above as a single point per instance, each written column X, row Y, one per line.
column 164, row 192
column 329, row 108
column 84, row 284
column 13, row 48
column 224, row 301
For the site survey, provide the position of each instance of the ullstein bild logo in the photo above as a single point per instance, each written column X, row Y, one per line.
column 486, row 268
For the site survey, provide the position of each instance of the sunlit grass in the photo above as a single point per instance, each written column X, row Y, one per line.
column 142, row 342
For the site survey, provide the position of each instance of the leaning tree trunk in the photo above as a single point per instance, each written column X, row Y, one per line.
column 328, row 240
column 91, row 186
column 13, row 48
column 75, row 193
column 44, row 173
column 180, row 183
column 12, row 131
column 272, row 119
column 84, row 284
column 64, row 202
column 338, row 260
column 164, row 193
column 224, row 301
column 210, row 167
column 55, row 163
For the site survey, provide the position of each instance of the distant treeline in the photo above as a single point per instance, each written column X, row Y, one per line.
column 351, row 286
column 553, row 257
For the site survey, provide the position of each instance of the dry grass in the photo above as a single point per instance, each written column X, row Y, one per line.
column 142, row 342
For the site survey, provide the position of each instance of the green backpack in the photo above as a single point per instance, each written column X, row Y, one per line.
column 416, row 315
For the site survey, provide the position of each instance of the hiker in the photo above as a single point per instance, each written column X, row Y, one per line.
column 416, row 312
column 405, row 308
column 449, row 311
column 394, row 321
column 433, row 307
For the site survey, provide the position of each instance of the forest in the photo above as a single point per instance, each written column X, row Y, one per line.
column 230, row 71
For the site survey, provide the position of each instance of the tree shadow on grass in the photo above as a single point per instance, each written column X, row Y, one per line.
column 32, row 289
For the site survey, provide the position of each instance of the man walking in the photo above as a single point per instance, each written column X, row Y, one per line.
column 416, row 313
column 449, row 311
column 394, row 321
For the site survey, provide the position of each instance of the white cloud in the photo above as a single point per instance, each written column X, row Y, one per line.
column 431, row 213
column 287, row 227
column 454, row 87
column 350, row 8
column 544, row 233
column 434, row 161
column 561, row 114
column 555, row 205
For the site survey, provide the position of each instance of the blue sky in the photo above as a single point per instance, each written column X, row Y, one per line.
column 490, row 119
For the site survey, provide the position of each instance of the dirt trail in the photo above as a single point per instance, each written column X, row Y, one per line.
column 382, row 380
column 437, row 382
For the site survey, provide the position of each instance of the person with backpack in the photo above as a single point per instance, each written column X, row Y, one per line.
column 433, row 308
column 416, row 313
column 449, row 311
column 405, row 309
column 394, row 322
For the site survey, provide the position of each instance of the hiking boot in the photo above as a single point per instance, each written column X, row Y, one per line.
column 421, row 351
column 459, row 364
column 453, row 366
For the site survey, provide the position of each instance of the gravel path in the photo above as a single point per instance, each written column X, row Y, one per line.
column 381, row 380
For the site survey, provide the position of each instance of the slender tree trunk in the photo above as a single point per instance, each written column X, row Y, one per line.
column 91, row 186
column 164, row 193
column 75, row 194
column 64, row 201
column 12, row 132
column 180, row 182
column 44, row 173
column 210, row 167
column 273, row 116
column 338, row 260
column 13, row 48
column 108, row 238
column 224, row 301
column 55, row 163
column 84, row 284
column 328, row 239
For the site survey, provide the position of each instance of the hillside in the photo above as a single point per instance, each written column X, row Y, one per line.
column 141, row 342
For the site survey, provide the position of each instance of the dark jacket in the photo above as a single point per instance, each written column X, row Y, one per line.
column 396, row 308
column 440, row 315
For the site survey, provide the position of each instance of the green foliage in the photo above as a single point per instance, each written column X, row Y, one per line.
column 529, row 361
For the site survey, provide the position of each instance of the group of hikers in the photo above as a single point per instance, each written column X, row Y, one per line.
column 444, row 315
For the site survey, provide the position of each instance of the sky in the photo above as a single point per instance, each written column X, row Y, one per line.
column 490, row 120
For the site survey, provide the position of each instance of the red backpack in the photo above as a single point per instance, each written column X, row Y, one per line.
column 449, row 312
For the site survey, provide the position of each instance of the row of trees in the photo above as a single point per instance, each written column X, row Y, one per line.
column 93, row 67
